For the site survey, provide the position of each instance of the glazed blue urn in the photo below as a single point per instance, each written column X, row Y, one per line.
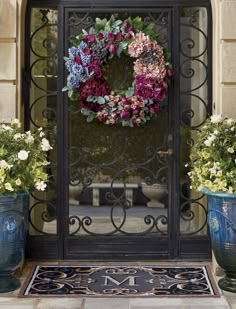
column 222, row 227
column 13, row 233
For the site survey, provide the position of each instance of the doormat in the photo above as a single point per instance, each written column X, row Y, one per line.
column 119, row 281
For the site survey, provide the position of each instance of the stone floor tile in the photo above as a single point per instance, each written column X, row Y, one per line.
column 232, row 303
column 195, row 302
column 152, row 302
column 157, row 307
column 17, row 306
column 104, row 303
column 17, row 303
column 207, row 302
column 60, row 303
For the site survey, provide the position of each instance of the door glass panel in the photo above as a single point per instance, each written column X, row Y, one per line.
column 194, row 94
column 118, row 182
column 42, row 111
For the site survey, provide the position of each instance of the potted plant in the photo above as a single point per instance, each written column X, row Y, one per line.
column 23, row 158
column 213, row 172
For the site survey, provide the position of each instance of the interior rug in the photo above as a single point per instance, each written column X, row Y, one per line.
column 120, row 281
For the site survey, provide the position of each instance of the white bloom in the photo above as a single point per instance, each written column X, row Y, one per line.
column 229, row 121
column 29, row 139
column 17, row 122
column 41, row 134
column 8, row 187
column 4, row 165
column 18, row 182
column 209, row 140
column 17, row 136
column 40, row 185
column 216, row 118
column 23, row 155
column 45, row 145
column 6, row 127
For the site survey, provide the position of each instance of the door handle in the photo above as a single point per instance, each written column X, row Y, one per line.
column 168, row 152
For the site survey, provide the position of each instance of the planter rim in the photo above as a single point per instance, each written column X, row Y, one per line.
column 218, row 193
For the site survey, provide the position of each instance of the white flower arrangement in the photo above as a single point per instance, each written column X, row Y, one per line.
column 23, row 158
column 213, row 157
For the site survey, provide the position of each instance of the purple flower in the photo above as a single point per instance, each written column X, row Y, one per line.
column 76, row 68
column 69, row 65
column 149, row 88
column 73, row 81
column 73, row 52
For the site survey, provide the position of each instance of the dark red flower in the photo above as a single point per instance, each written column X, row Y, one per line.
column 94, row 86
column 112, row 48
column 77, row 60
column 149, row 88
column 169, row 72
column 110, row 36
column 96, row 67
column 125, row 25
column 86, row 51
column 100, row 36
column 128, row 36
column 119, row 37
column 125, row 115
column 89, row 38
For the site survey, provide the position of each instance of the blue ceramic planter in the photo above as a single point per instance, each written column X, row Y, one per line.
column 222, row 226
column 13, row 231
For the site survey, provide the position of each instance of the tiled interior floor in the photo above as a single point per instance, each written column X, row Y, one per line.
column 11, row 301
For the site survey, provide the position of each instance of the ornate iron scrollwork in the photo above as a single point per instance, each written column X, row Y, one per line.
column 194, row 92
column 43, row 109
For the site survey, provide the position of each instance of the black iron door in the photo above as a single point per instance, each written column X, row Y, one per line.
column 123, row 193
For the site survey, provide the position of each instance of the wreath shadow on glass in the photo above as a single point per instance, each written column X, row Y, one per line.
column 89, row 53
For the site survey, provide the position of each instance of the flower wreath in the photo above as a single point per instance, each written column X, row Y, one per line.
column 92, row 50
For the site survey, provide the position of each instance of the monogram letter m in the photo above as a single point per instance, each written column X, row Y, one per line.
column 131, row 280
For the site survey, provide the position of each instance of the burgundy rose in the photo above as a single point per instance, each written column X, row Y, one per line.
column 126, row 26
column 110, row 36
column 86, row 51
column 119, row 37
column 169, row 72
column 112, row 48
column 89, row 38
column 127, row 108
column 152, row 110
column 128, row 36
column 100, row 36
column 130, row 29
column 77, row 60
column 124, row 115
column 164, row 84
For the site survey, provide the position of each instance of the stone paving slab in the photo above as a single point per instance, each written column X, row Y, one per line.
column 104, row 303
